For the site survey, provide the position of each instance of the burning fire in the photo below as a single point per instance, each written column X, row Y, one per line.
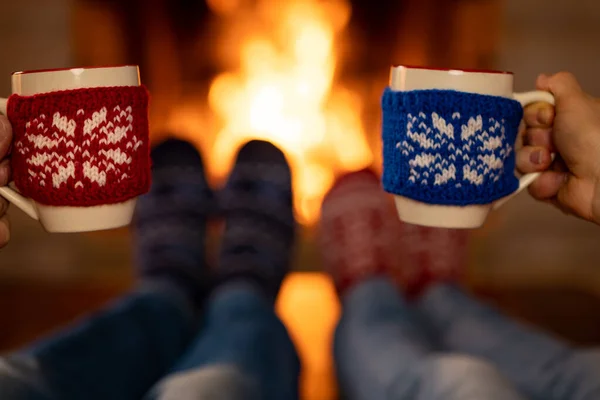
column 283, row 90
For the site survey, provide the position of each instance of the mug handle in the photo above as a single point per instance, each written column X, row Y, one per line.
column 527, row 98
column 26, row 205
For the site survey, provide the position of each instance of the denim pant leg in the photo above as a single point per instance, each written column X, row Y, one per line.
column 541, row 366
column 383, row 352
column 116, row 354
column 242, row 352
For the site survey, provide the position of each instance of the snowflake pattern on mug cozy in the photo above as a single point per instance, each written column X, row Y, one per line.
column 440, row 155
column 81, row 147
column 449, row 147
column 101, row 155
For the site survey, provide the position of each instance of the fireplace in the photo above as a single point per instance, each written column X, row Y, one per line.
column 303, row 74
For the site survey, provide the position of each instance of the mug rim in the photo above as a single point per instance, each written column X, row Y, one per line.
column 466, row 70
column 37, row 71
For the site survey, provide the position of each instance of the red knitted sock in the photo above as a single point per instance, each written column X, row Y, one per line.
column 81, row 147
column 359, row 230
column 431, row 255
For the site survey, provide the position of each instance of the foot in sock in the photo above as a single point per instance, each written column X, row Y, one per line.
column 170, row 220
column 359, row 231
column 361, row 237
column 259, row 220
column 433, row 255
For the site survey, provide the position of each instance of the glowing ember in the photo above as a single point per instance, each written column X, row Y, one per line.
column 284, row 91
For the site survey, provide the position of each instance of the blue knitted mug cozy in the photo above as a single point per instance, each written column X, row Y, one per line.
column 448, row 147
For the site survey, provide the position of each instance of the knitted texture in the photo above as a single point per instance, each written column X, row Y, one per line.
column 81, row 147
column 431, row 255
column 257, row 203
column 169, row 225
column 449, row 147
column 359, row 231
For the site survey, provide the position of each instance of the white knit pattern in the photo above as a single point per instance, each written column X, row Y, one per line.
column 435, row 160
column 99, row 152
column 493, row 142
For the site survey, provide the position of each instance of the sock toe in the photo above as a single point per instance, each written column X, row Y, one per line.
column 259, row 220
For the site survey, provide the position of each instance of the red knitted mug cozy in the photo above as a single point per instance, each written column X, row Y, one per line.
column 81, row 147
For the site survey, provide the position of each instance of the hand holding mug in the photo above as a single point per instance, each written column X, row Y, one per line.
column 80, row 150
column 449, row 143
column 572, row 130
column 5, row 142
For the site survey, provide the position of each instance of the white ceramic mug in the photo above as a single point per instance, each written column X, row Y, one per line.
column 71, row 218
column 493, row 83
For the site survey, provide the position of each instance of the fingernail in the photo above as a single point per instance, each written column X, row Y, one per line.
column 544, row 116
column 536, row 157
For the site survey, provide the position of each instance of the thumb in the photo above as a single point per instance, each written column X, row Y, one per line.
column 576, row 196
column 561, row 85
column 5, row 136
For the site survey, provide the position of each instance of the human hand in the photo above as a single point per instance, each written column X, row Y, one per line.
column 5, row 142
column 572, row 130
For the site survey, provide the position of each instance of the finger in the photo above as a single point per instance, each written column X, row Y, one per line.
column 547, row 185
column 5, row 136
column 563, row 84
column 533, row 159
column 539, row 115
column 540, row 137
column 4, row 230
column 3, row 206
column 5, row 172
column 576, row 195
column 541, row 82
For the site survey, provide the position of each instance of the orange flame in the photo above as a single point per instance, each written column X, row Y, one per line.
column 284, row 91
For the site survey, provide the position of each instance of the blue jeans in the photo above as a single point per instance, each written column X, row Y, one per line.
column 449, row 346
column 242, row 351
